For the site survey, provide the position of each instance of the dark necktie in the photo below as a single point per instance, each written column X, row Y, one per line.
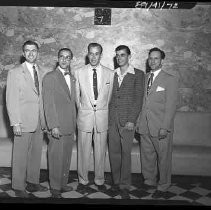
column 149, row 84
column 36, row 81
column 95, row 83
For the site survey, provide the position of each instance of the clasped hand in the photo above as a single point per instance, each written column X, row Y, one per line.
column 162, row 133
column 129, row 126
column 56, row 133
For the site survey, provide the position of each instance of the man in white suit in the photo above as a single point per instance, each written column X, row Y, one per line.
column 25, row 110
column 93, row 91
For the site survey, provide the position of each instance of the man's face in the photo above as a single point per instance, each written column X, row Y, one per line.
column 30, row 53
column 65, row 59
column 94, row 56
column 155, row 61
column 122, row 57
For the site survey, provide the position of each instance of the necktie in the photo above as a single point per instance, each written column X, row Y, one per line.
column 149, row 84
column 95, row 83
column 36, row 81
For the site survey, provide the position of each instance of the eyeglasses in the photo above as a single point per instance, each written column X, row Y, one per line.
column 68, row 58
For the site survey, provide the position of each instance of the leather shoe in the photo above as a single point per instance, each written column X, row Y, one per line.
column 124, row 194
column 159, row 194
column 147, row 187
column 81, row 188
column 101, row 188
column 21, row 193
column 31, row 187
column 66, row 189
column 115, row 188
column 56, row 193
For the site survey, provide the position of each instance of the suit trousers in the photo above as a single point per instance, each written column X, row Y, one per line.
column 84, row 152
column 27, row 152
column 59, row 160
column 156, row 157
column 119, row 147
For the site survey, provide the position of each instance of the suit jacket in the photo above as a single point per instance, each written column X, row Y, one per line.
column 59, row 103
column 127, row 99
column 24, row 105
column 88, row 116
column 160, row 104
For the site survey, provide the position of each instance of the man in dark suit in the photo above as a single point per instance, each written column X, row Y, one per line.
column 155, row 123
column 25, row 110
column 60, row 114
column 124, row 108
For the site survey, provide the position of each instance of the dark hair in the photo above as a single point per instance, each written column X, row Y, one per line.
column 66, row 49
column 95, row 45
column 123, row 47
column 159, row 50
column 30, row 42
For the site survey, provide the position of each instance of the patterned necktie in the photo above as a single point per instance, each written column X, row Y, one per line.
column 95, row 83
column 36, row 81
column 149, row 84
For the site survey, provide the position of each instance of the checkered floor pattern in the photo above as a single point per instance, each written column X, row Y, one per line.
column 185, row 190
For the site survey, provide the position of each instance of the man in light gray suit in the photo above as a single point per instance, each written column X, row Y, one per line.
column 156, row 123
column 25, row 110
column 60, row 114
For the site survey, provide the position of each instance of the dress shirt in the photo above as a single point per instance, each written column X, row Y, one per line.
column 30, row 68
column 155, row 74
column 67, row 78
column 130, row 69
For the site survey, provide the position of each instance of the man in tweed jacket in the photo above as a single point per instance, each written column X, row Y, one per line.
column 124, row 108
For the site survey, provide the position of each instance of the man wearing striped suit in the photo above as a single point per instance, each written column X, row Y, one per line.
column 124, row 108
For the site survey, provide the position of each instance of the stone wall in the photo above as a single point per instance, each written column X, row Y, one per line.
column 183, row 34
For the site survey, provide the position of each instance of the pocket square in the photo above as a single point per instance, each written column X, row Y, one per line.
column 159, row 88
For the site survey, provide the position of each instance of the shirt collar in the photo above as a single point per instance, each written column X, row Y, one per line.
column 30, row 65
column 62, row 70
column 156, row 72
column 130, row 70
column 98, row 68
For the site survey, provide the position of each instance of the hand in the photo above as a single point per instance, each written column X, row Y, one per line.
column 17, row 130
column 129, row 126
column 162, row 133
column 56, row 133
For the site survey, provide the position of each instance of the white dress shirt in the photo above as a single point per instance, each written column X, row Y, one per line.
column 30, row 68
column 155, row 74
column 67, row 78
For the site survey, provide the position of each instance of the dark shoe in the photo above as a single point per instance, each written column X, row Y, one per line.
column 147, row 187
column 115, row 189
column 81, row 188
column 66, row 189
column 158, row 194
column 21, row 193
column 56, row 193
column 101, row 188
column 35, row 187
column 124, row 193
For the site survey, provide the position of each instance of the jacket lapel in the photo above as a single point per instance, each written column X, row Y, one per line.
column 63, row 84
column 28, row 78
column 127, row 79
column 87, row 84
column 102, row 83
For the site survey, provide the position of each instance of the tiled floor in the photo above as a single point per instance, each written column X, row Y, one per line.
column 185, row 190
